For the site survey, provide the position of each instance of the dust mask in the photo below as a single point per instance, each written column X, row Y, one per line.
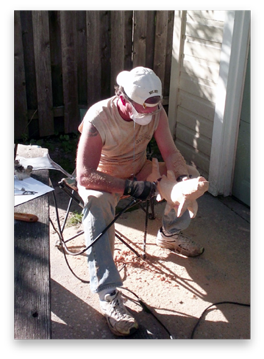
column 140, row 118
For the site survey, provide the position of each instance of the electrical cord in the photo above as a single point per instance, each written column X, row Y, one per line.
column 147, row 310
column 62, row 242
column 212, row 305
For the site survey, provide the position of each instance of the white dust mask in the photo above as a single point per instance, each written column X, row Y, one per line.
column 140, row 118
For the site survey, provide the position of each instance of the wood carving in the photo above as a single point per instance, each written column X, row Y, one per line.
column 180, row 196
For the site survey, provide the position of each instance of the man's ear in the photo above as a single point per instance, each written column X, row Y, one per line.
column 122, row 100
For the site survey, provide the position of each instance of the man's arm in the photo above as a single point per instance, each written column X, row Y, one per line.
column 88, row 157
column 170, row 154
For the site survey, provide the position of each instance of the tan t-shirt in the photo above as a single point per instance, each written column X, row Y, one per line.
column 124, row 143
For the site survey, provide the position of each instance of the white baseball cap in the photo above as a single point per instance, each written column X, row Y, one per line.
column 140, row 84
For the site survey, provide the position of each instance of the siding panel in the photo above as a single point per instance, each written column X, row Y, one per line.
column 201, row 43
column 198, row 158
column 205, row 32
column 196, row 105
column 194, row 139
column 195, row 122
column 199, row 68
column 202, row 50
column 197, row 87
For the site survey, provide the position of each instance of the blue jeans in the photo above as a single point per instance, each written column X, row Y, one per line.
column 98, row 212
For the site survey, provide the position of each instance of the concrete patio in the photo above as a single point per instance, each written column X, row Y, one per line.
column 175, row 288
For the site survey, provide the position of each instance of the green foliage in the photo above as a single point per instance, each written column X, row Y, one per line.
column 75, row 219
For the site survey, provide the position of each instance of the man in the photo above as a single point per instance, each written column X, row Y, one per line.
column 111, row 161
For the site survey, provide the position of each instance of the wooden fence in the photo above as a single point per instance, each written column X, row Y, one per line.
column 67, row 60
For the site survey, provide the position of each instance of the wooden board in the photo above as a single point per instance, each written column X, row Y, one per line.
column 32, row 271
column 32, row 316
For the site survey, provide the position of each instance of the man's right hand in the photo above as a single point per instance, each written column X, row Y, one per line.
column 140, row 189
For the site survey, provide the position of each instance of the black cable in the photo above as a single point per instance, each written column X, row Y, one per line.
column 212, row 305
column 65, row 256
column 97, row 238
column 147, row 310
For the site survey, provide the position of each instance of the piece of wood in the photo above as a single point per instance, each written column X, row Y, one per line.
column 32, row 316
column 26, row 217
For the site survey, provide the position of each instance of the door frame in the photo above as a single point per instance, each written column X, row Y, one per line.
column 235, row 47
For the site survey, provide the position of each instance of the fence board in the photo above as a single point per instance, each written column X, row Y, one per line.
column 29, row 59
column 20, row 91
column 140, row 36
column 106, row 54
column 117, row 44
column 69, row 71
column 43, row 71
column 166, row 88
column 150, row 37
column 81, row 56
column 160, row 44
column 93, row 56
column 55, row 55
column 128, row 64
